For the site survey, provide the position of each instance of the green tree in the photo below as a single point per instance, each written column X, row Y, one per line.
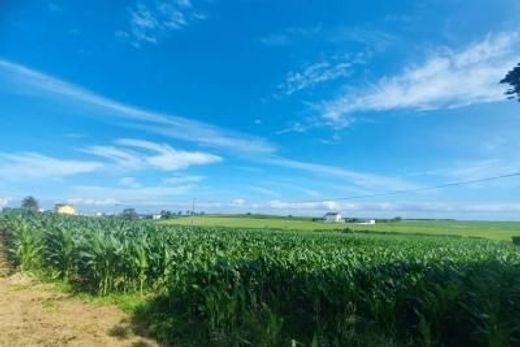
column 30, row 203
column 165, row 214
column 513, row 79
column 129, row 213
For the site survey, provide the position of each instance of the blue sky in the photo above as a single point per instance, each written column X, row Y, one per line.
column 260, row 106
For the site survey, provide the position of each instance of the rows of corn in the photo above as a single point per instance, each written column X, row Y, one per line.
column 4, row 263
column 221, row 287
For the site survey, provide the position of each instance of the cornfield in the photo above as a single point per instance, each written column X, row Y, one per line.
column 204, row 286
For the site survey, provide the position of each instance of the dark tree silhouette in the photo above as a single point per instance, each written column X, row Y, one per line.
column 165, row 214
column 513, row 78
column 129, row 213
column 30, row 203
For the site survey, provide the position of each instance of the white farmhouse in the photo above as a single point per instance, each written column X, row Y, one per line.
column 333, row 217
column 156, row 216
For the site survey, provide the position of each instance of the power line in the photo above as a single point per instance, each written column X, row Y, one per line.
column 375, row 195
column 403, row 191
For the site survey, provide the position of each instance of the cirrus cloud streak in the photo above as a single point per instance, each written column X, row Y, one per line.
column 447, row 79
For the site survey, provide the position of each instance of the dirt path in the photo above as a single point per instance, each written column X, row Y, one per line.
column 33, row 314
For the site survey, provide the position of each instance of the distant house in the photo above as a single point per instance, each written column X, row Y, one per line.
column 156, row 216
column 64, row 209
column 333, row 217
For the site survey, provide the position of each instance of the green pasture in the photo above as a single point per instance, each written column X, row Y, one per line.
column 488, row 230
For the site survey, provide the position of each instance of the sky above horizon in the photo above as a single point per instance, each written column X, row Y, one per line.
column 260, row 106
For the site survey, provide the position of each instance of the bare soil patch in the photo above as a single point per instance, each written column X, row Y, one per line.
column 35, row 314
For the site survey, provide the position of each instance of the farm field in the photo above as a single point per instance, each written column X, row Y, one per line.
column 194, row 286
column 488, row 230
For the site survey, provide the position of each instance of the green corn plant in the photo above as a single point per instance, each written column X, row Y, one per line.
column 140, row 262
column 59, row 250
column 248, row 287
column 25, row 244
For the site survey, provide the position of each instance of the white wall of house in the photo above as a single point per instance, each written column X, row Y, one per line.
column 333, row 218
column 368, row 222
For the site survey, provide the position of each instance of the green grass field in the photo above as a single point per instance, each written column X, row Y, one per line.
column 488, row 230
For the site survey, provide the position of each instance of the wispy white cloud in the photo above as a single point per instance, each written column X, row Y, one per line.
column 24, row 165
column 124, row 158
column 296, row 127
column 208, row 135
column 317, row 206
column 469, row 170
column 360, row 179
column 314, row 74
column 166, row 158
column 21, row 79
column 140, row 154
column 309, row 192
column 179, row 180
column 129, row 191
column 371, row 38
column 238, row 202
column 447, row 79
column 318, row 73
column 159, row 195
column 368, row 38
column 309, row 123
column 149, row 21
column 93, row 202
column 498, row 155
column 478, row 169
column 263, row 191
column 302, row 187
column 129, row 182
